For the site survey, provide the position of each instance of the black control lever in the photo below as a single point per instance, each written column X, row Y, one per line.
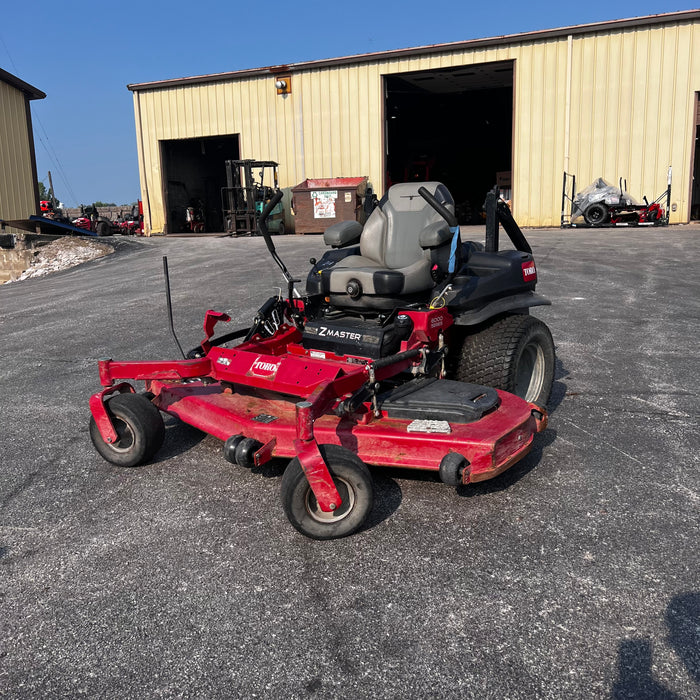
column 441, row 209
column 262, row 228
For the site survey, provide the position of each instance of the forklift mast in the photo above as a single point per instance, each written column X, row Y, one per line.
column 244, row 196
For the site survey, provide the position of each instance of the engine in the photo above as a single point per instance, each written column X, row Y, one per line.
column 348, row 335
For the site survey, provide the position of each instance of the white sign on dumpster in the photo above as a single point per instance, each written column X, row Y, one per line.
column 324, row 203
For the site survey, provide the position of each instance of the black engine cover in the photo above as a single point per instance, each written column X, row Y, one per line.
column 350, row 336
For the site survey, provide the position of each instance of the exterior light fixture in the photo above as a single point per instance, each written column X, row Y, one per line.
column 283, row 83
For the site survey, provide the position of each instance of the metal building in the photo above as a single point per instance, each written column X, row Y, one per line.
column 19, row 189
column 612, row 99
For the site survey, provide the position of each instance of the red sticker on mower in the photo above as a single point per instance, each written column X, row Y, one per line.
column 529, row 271
column 262, row 367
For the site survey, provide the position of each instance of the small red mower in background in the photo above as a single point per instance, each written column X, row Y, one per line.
column 353, row 376
column 603, row 204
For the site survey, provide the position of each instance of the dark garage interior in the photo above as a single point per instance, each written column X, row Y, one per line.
column 453, row 125
column 193, row 175
column 695, row 165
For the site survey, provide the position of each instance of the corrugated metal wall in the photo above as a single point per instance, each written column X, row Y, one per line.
column 16, row 179
column 632, row 109
column 615, row 103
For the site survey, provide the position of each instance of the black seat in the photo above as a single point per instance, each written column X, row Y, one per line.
column 397, row 251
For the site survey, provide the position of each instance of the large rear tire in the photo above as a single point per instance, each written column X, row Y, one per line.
column 139, row 427
column 597, row 214
column 354, row 484
column 514, row 353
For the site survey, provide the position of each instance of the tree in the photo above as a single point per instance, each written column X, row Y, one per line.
column 43, row 192
column 105, row 204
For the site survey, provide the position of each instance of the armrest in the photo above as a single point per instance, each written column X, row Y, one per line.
column 342, row 234
column 434, row 235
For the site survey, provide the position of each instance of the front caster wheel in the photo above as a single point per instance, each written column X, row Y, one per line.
column 354, row 484
column 140, row 430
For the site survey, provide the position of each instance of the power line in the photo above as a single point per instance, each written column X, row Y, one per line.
column 54, row 158
column 9, row 55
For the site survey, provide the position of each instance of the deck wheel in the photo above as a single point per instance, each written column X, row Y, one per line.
column 139, row 427
column 354, row 484
column 452, row 469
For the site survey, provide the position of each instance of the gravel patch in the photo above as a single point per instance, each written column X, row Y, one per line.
column 64, row 253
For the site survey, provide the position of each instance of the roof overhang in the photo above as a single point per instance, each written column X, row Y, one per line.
column 30, row 91
column 525, row 37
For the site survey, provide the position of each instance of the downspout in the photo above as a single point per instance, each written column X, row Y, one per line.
column 300, row 128
column 567, row 117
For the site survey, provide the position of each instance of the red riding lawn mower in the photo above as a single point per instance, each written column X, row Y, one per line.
column 133, row 224
column 90, row 220
column 410, row 348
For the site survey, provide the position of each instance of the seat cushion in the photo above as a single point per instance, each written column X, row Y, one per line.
column 376, row 279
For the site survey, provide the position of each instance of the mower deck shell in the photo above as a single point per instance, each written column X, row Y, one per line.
column 491, row 444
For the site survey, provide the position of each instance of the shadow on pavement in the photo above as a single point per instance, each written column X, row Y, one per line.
column 179, row 438
column 683, row 620
column 635, row 656
column 387, row 499
column 559, row 386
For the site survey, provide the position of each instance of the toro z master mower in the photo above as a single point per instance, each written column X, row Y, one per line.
column 410, row 348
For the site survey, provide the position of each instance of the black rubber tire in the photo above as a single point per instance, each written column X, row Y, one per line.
column 281, row 229
column 139, row 426
column 354, row 483
column 597, row 214
column 514, row 353
column 244, row 454
column 103, row 228
column 452, row 468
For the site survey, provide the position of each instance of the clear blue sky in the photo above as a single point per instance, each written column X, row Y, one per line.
column 83, row 54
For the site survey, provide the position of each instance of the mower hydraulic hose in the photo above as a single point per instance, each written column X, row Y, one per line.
column 393, row 359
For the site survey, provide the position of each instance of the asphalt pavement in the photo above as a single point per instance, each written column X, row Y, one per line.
column 576, row 574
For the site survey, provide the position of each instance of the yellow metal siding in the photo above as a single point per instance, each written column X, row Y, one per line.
column 17, row 188
column 631, row 103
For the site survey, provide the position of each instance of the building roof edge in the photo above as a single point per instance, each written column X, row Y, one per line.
column 537, row 35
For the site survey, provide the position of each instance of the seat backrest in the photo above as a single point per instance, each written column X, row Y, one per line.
column 391, row 235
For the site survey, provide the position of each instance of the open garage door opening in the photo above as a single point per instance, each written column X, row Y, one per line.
column 194, row 172
column 453, row 125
